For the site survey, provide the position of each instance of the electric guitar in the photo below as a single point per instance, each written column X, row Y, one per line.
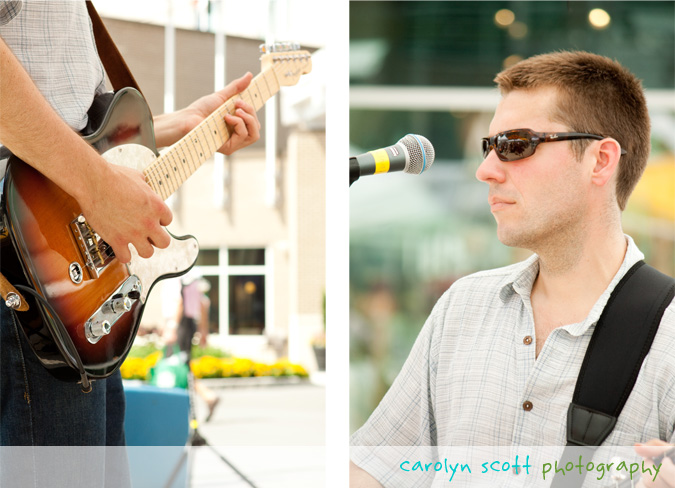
column 622, row 480
column 86, row 305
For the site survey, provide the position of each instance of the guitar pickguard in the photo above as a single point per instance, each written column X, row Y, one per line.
column 174, row 260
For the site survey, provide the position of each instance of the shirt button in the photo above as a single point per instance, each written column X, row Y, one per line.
column 527, row 406
column 527, row 340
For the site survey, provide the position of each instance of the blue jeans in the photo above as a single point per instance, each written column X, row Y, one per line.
column 36, row 409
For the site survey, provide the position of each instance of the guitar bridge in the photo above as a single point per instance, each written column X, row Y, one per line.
column 96, row 253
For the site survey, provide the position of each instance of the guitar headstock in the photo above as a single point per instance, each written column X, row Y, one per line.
column 288, row 61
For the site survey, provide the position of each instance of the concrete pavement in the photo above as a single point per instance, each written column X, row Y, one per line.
column 274, row 435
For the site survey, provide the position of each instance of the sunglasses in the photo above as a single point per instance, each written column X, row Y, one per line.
column 512, row 145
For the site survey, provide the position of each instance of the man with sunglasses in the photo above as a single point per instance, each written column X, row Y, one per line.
column 497, row 361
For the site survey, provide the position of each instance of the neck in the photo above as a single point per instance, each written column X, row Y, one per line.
column 173, row 167
column 580, row 268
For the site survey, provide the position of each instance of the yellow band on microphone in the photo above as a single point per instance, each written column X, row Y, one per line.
column 381, row 161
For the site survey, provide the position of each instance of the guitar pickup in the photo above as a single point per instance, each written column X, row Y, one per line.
column 96, row 253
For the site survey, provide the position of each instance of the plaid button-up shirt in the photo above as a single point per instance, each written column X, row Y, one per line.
column 472, row 378
column 54, row 42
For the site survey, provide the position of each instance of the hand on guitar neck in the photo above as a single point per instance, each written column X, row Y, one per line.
column 655, row 449
column 244, row 126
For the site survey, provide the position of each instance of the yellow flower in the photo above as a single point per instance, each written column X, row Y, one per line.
column 134, row 369
column 213, row 367
column 206, row 367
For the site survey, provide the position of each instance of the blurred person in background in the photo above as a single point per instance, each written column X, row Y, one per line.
column 191, row 317
column 497, row 360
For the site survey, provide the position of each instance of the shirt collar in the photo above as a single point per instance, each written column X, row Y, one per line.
column 521, row 280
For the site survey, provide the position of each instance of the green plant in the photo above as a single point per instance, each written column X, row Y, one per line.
column 141, row 351
column 198, row 352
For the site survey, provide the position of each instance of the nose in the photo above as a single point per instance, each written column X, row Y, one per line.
column 491, row 169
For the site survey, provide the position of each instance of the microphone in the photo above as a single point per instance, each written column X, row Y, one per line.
column 411, row 154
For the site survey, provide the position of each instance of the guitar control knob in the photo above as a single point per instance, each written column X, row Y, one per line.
column 99, row 329
column 134, row 294
column 117, row 305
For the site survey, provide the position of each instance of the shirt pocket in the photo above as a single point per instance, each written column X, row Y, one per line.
column 9, row 9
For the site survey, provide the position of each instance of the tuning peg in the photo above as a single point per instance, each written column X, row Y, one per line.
column 278, row 47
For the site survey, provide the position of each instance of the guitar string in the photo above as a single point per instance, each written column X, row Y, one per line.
column 228, row 106
column 215, row 121
column 154, row 172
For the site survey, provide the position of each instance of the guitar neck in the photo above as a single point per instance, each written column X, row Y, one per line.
column 172, row 168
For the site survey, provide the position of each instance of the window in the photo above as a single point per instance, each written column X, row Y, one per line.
column 247, row 304
column 239, row 289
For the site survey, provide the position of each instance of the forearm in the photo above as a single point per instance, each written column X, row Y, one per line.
column 35, row 133
column 169, row 128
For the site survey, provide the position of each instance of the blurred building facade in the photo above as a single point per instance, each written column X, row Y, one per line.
column 262, row 235
column 427, row 68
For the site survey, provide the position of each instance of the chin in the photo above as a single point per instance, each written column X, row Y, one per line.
column 514, row 237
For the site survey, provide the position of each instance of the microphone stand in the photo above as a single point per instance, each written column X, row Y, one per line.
column 196, row 439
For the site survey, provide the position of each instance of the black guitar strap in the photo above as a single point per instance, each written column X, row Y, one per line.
column 621, row 340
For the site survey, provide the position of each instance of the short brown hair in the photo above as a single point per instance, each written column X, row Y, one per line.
column 596, row 95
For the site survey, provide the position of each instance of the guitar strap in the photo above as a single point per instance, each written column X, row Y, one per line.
column 621, row 340
column 118, row 72
column 11, row 296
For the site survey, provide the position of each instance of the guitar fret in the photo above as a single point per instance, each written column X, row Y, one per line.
column 152, row 179
column 173, row 170
column 258, row 96
column 181, row 160
column 160, row 181
column 166, row 183
column 159, row 189
column 170, row 182
column 264, row 78
column 174, row 166
column 213, row 145
column 228, row 108
column 200, row 141
column 273, row 75
column 222, row 126
column 193, row 151
column 216, row 134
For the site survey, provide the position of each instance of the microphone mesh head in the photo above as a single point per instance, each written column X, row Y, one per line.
column 421, row 153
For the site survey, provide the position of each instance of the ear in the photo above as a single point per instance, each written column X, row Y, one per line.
column 606, row 153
